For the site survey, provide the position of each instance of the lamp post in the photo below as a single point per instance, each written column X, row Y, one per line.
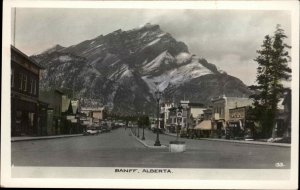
column 144, row 122
column 179, row 120
column 158, row 95
column 77, row 117
column 143, row 137
column 138, row 126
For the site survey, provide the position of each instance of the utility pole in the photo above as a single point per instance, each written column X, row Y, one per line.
column 14, row 34
column 73, row 90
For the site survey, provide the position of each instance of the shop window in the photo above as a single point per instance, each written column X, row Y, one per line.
column 34, row 87
column 31, row 86
column 31, row 119
column 12, row 77
column 25, row 82
column 18, row 117
column 17, row 124
column 21, row 81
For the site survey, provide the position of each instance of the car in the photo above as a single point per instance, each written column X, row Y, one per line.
column 160, row 130
column 91, row 132
column 105, row 128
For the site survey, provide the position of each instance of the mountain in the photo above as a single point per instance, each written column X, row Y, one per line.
column 122, row 69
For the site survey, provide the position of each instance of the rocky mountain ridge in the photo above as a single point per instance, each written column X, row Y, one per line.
column 124, row 68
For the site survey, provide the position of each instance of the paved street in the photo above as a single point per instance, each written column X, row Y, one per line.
column 119, row 149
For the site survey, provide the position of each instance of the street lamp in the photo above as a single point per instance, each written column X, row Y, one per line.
column 138, row 126
column 144, row 122
column 158, row 96
column 143, row 137
column 179, row 120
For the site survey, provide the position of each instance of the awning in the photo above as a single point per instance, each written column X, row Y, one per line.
column 204, row 125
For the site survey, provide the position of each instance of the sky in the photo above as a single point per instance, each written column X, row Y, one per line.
column 227, row 38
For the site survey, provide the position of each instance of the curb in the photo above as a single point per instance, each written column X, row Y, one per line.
column 249, row 142
column 44, row 138
column 243, row 142
column 170, row 134
column 148, row 146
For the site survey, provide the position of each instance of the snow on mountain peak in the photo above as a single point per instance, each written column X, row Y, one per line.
column 64, row 58
column 183, row 58
column 176, row 76
column 56, row 47
column 155, row 62
column 153, row 42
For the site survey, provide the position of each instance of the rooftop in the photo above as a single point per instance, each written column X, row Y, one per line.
column 13, row 48
column 92, row 109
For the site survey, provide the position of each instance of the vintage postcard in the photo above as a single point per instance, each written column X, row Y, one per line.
column 150, row 94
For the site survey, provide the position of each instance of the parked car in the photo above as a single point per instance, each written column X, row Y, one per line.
column 160, row 130
column 91, row 132
column 105, row 128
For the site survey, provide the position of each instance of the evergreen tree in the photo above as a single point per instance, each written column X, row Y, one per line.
column 272, row 70
column 70, row 109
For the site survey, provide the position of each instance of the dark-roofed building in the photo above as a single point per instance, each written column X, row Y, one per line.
column 54, row 98
column 240, row 123
column 25, row 75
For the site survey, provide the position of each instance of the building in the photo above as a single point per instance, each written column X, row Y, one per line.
column 25, row 104
column 187, row 114
column 165, row 112
column 172, row 119
column 196, row 111
column 220, row 111
column 283, row 117
column 95, row 115
column 287, row 110
column 203, row 129
column 240, row 123
column 185, row 122
column 54, row 99
column 207, row 114
column 65, row 103
column 72, row 120
column 42, row 119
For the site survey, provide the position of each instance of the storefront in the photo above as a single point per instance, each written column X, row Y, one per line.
column 24, row 117
column 203, row 129
column 219, row 127
column 42, row 118
column 241, row 124
column 25, row 74
column 235, row 129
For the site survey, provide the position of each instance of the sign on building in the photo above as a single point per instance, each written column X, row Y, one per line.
column 217, row 116
column 179, row 114
column 70, row 117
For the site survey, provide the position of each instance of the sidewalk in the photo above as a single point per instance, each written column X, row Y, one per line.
column 149, row 143
column 15, row 139
column 239, row 141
